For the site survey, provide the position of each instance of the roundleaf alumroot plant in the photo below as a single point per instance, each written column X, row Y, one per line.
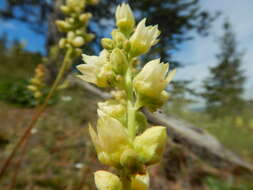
column 122, row 139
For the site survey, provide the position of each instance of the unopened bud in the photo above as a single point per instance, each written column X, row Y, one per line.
column 89, row 37
column 107, row 43
column 65, row 9
column 118, row 37
column 70, row 35
column 78, row 41
column 62, row 25
column 62, row 43
column 85, row 17
column 119, row 61
column 77, row 52
column 125, row 18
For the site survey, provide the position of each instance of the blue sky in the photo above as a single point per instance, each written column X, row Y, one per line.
column 197, row 55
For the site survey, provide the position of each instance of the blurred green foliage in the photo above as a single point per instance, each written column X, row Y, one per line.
column 16, row 92
column 217, row 184
column 236, row 133
column 17, row 67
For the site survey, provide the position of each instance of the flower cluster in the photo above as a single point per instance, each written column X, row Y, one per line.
column 122, row 139
column 75, row 24
column 37, row 83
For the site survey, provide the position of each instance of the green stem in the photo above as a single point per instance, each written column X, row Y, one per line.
column 130, row 102
column 126, row 183
column 131, row 119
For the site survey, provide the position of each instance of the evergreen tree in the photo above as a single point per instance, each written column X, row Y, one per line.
column 224, row 88
column 181, row 95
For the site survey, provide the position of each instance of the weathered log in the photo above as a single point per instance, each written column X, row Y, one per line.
column 197, row 140
column 204, row 145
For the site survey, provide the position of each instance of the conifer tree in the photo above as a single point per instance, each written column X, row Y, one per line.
column 224, row 88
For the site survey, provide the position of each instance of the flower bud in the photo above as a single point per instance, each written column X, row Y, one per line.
column 107, row 181
column 78, row 41
column 62, row 25
column 75, row 6
column 107, row 43
column 85, row 17
column 143, row 38
column 70, row 35
column 77, row 52
column 62, row 43
column 65, row 9
column 150, row 144
column 140, row 182
column 89, row 37
column 119, row 61
column 124, row 18
column 118, row 38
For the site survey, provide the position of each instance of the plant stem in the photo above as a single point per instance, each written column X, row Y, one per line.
column 130, row 102
column 126, row 183
column 36, row 116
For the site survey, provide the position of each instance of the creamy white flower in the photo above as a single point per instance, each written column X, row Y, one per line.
column 125, row 18
column 150, row 144
column 143, row 38
column 153, row 78
column 112, row 108
column 96, row 70
column 110, row 140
